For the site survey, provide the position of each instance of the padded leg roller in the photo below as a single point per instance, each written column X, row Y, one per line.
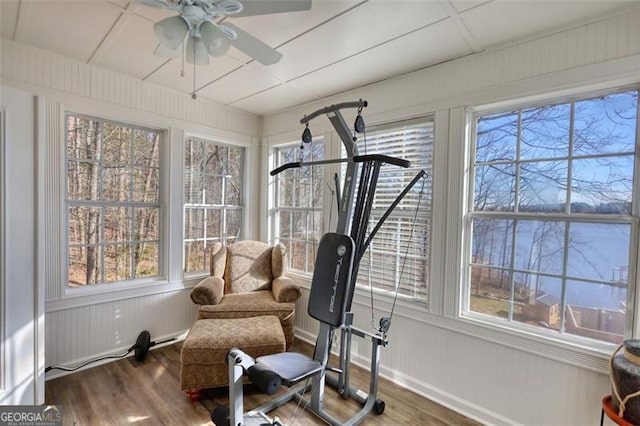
column 264, row 379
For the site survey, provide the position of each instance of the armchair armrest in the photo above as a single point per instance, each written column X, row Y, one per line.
column 285, row 290
column 208, row 291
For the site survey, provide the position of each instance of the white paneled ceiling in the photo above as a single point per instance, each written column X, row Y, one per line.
column 336, row 46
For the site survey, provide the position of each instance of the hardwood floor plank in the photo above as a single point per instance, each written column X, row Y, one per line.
column 148, row 393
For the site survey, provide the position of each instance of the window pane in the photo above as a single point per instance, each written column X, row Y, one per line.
column 83, row 138
column 492, row 242
column 543, row 186
column 603, row 185
column 194, row 254
column 116, row 147
column 147, row 260
column 116, row 183
column 215, row 160
column 85, row 265
column 232, row 226
column 490, row 291
column 494, row 188
column 578, row 254
column 213, row 190
column 233, row 191
column 496, row 137
column 101, row 175
column 193, row 188
column 596, row 311
column 146, row 185
column 598, row 251
column 193, row 223
column 539, row 297
column 117, row 224
column 147, row 224
column 213, row 223
column 84, row 225
column 606, row 124
column 545, row 132
column 540, row 246
column 117, row 262
column 82, row 180
column 285, row 224
column 213, row 181
column 146, row 146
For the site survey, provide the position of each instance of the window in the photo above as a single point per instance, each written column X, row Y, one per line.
column 113, row 201
column 398, row 257
column 297, row 218
column 552, row 224
column 213, row 199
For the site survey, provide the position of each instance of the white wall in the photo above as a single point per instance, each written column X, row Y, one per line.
column 494, row 375
column 20, row 307
column 38, row 88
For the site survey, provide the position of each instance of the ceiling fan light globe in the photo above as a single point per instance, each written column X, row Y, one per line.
column 216, row 41
column 219, row 46
column 171, row 31
column 196, row 52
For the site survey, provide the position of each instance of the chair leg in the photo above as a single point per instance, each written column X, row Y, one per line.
column 193, row 395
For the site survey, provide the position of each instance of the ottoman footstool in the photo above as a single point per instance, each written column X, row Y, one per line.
column 204, row 352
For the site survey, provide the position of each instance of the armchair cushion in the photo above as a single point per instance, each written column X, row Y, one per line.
column 248, row 267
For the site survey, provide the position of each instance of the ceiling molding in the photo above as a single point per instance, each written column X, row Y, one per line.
column 115, row 30
column 23, row 20
column 461, row 27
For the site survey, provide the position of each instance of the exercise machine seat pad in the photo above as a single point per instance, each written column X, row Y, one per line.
column 292, row 367
column 331, row 282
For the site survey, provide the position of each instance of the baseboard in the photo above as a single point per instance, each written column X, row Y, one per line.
column 423, row 389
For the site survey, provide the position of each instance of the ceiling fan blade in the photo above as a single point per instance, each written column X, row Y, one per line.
column 264, row 7
column 254, row 47
column 162, row 4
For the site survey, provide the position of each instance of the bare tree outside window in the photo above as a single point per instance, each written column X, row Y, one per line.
column 213, row 199
column 113, row 201
column 552, row 226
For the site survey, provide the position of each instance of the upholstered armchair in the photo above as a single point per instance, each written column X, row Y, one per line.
column 248, row 280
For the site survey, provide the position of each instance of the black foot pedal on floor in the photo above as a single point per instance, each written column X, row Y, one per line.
column 220, row 416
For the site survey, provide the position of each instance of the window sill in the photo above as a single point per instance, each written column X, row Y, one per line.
column 105, row 293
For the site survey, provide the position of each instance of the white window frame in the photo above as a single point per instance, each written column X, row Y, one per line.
column 276, row 210
column 222, row 207
column 520, row 329
column 160, row 204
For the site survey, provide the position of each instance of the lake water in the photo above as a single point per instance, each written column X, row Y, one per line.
column 595, row 251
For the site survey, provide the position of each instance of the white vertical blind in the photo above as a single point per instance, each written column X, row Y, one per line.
column 398, row 257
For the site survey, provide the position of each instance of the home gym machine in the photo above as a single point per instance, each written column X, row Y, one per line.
column 331, row 295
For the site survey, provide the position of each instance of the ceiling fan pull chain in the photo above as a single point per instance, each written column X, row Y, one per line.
column 193, row 94
column 182, row 58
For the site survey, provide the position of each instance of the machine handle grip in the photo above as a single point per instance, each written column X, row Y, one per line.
column 383, row 158
column 284, row 167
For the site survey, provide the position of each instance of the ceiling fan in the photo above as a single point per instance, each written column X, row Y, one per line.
column 201, row 30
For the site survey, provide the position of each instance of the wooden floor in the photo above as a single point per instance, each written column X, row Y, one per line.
column 148, row 393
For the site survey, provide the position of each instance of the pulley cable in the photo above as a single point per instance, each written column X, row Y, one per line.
column 406, row 254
